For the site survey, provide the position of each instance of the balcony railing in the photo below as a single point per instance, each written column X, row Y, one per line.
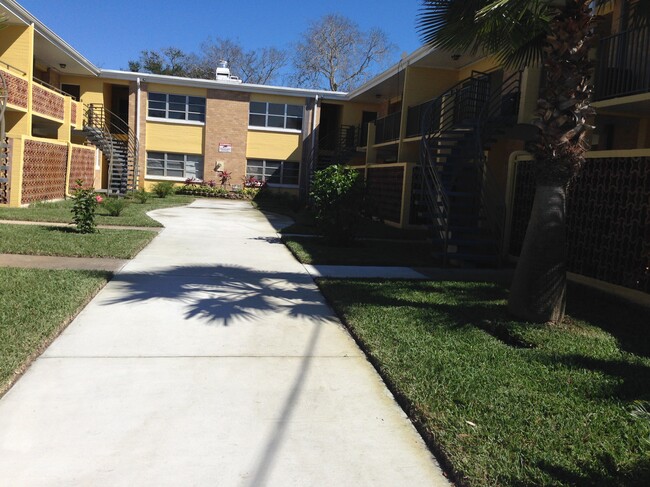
column 387, row 128
column 414, row 116
column 624, row 64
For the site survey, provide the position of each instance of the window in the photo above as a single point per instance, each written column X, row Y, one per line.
column 176, row 107
column 275, row 115
column 274, row 172
column 181, row 166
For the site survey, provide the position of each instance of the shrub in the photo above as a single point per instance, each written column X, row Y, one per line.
column 114, row 205
column 337, row 196
column 163, row 189
column 141, row 196
column 84, row 205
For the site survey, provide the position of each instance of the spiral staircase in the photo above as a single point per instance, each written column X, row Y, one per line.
column 112, row 136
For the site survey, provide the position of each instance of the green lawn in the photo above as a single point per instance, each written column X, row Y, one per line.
column 361, row 252
column 505, row 402
column 64, row 241
column 59, row 211
column 36, row 305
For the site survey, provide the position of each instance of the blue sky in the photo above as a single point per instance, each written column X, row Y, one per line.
column 111, row 32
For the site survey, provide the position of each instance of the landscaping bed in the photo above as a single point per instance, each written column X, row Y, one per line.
column 36, row 305
column 66, row 242
column 504, row 402
column 314, row 250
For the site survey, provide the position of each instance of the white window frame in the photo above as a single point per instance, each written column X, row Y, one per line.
column 266, row 114
column 282, row 183
column 186, row 113
column 165, row 160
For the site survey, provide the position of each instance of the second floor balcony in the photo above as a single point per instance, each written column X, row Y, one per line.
column 623, row 64
column 388, row 128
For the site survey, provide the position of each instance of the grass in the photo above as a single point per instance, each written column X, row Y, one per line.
column 59, row 211
column 65, row 241
column 36, row 306
column 505, row 402
column 361, row 252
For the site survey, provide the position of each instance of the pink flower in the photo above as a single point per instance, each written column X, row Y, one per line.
column 99, row 199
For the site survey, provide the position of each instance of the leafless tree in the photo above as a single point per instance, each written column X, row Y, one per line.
column 259, row 67
column 335, row 54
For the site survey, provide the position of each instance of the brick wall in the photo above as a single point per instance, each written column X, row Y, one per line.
column 226, row 121
column 44, row 171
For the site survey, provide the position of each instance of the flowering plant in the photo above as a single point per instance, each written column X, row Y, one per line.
column 253, row 182
column 224, row 176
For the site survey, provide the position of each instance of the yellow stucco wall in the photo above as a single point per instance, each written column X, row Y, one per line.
column 91, row 88
column 483, row 65
column 424, row 84
column 168, row 137
column 273, row 145
column 16, row 47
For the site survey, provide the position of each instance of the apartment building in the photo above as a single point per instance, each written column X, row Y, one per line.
column 439, row 137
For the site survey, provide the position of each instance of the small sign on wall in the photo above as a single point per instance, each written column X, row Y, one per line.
column 224, row 147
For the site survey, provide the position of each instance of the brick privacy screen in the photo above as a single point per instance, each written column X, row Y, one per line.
column 47, row 103
column 385, row 192
column 73, row 113
column 608, row 219
column 44, row 171
column 82, row 166
column 17, row 90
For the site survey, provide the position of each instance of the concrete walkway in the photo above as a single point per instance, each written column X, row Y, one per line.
column 57, row 262
column 210, row 359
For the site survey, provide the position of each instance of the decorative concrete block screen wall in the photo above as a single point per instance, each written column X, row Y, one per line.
column 608, row 219
column 82, row 166
column 17, row 89
column 385, row 186
column 47, row 102
column 44, row 171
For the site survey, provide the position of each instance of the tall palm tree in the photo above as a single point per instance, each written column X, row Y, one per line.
column 556, row 34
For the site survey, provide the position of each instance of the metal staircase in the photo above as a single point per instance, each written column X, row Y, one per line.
column 4, row 143
column 458, row 196
column 110, row 134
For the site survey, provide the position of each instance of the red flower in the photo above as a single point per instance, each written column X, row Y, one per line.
column 99, row 199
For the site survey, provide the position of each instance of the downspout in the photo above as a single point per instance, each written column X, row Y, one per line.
column 138, row 98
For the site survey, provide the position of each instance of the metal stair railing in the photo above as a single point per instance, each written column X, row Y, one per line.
column 114, row 133
column 501, row 110
column 449, row 111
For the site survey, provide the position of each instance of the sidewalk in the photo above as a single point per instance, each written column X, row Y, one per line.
column 209, row 359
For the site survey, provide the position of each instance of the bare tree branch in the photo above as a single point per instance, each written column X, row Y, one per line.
column 335, row 54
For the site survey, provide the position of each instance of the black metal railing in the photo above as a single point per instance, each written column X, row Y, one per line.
column 116, row 139
column 623, row 64
column 387, row 128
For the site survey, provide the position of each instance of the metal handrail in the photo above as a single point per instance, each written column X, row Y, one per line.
column 9, row 66
column 623, row 64
column 53, row 88
column 491, row 117
column 388, row 128
column 98, row 117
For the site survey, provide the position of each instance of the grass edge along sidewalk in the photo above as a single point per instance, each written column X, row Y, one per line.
column 37, row 305
column 66, row 242
column 135, row 214
column 503, row 402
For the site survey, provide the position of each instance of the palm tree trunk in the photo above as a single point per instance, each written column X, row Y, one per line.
column 538, row 291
